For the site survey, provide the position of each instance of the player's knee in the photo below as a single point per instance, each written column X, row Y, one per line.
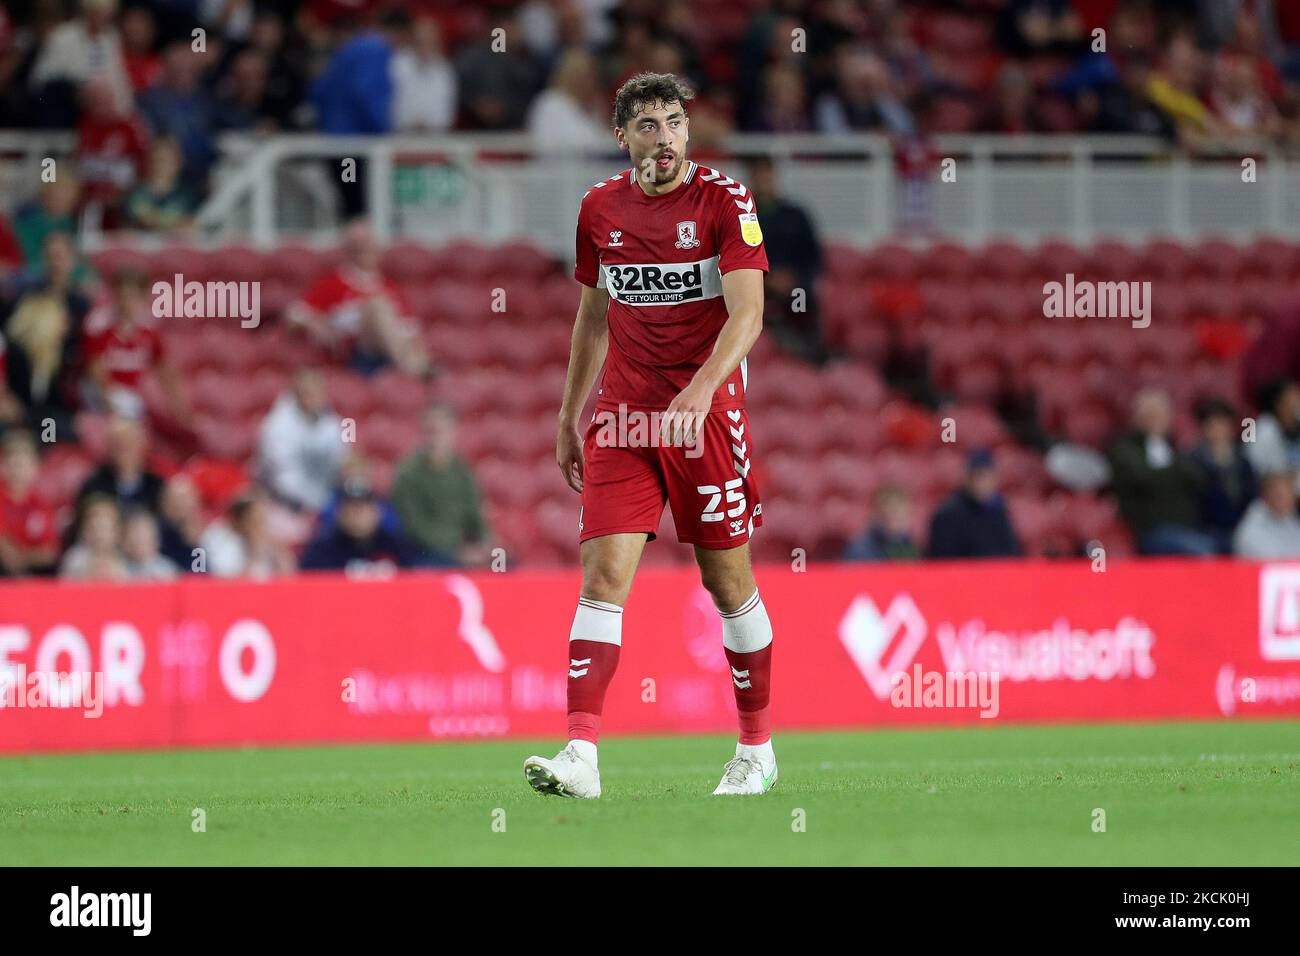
column 730, row 587
column 601, row 582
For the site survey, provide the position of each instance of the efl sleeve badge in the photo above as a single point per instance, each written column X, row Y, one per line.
column 749, row 229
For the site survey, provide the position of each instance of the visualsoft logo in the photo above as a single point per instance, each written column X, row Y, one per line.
column 867, row 634
column 881, row 644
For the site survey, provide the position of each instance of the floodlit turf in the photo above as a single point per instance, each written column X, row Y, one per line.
column 1190, row 793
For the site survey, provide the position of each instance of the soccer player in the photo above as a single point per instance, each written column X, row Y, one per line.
column 671, row 262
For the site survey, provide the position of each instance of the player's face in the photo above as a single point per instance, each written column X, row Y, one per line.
column 656, row 141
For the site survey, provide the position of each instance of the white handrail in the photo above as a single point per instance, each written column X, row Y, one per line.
column 498, row 186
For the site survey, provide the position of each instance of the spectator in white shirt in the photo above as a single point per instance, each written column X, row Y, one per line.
column 242, row 546
column 424, row 81
column 300, row 446
column 1276, row 446
column 566, row 115
column 140, row 543
column 1270, row 529
column 83, row 48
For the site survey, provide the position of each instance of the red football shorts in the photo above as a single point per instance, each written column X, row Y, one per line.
column 627, row 477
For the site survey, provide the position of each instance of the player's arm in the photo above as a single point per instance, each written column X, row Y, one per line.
column 742, row 290
column 587, row 350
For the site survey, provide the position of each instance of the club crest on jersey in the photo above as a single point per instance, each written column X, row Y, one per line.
column 615, row 238
column 749, row 229
column 686, row 235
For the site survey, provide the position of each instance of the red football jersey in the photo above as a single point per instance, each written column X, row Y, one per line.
column 662, row 259
column 337, row 297
column 29, row 522
column 127, row 354
column 111, row 155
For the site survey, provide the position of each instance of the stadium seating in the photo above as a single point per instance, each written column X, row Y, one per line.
column 825, row 439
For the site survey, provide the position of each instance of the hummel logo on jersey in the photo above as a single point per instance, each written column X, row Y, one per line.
column 736, row 679
column 576, row 664
column 615, row 238
column 686, row 235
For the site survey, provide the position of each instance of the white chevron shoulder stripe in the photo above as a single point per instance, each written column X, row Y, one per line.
column 602, row 184
column 737, row 190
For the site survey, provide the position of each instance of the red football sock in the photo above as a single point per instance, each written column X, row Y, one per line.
column 594, row 645
column 747, row 640
column 751, row 679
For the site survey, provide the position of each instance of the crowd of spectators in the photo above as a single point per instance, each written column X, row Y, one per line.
column 1231, row 492
column 149, row 86
column 148, row 102
column 77, row 349
column 312, row 506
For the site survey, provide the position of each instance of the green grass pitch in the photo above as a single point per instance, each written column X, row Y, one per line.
column 1208, row 793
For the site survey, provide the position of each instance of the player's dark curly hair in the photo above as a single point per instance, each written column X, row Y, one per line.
column 647, row 88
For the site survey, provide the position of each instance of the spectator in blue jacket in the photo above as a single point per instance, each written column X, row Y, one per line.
column 354, row 94
column 1229, row 482
column 178, row 106
column 889, row 537
column 357, row 542
column 973, row 521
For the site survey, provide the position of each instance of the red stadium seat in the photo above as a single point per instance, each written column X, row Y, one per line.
column 408, row 262
column 225, row 440
column 892, row 262
column 853, row 386
column 387, row 439
column 1003, row 261
column 349, row 393
column 1088, row 424
column 1110, row 261
column 110, row 260
column 1163, row 259
column 844, row 264
column 400, row 395
column 1216, row 259
column 1272, row 258
column 948, row 261
column 1053, row 260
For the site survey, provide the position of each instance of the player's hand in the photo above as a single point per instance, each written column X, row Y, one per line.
column 683, row 421
column 568, row 455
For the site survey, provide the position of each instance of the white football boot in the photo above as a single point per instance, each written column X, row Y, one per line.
column 567, row 774
column 751, row 772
